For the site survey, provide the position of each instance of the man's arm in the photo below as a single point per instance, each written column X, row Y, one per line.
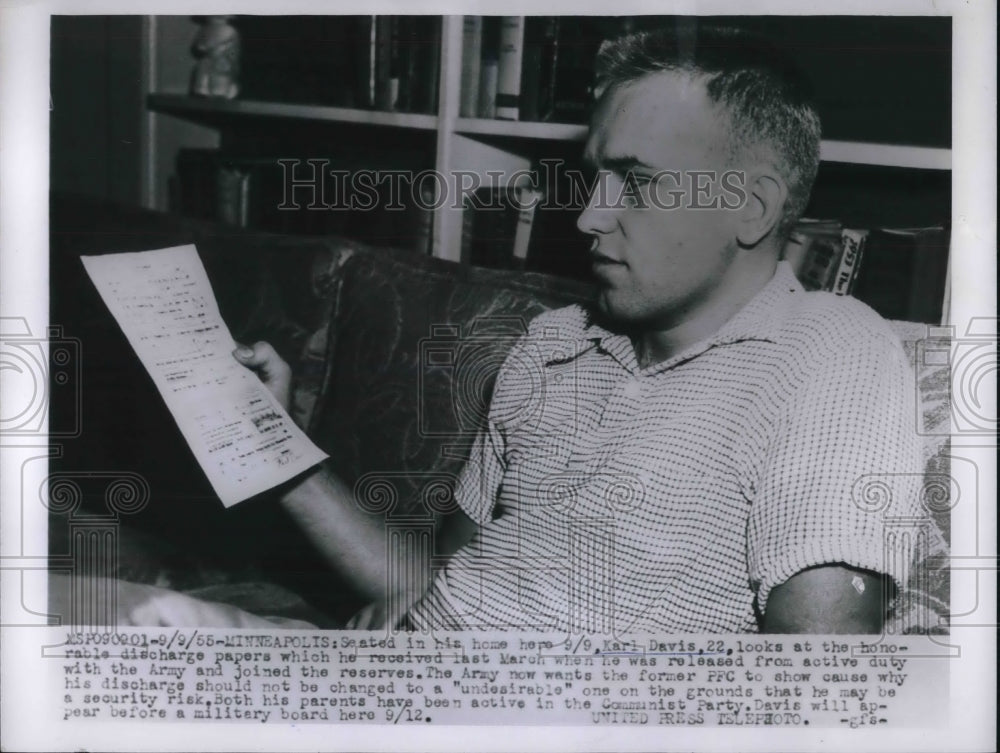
column 350, row 539
column 828, row 599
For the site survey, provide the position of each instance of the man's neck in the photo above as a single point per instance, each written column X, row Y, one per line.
column 657, row 345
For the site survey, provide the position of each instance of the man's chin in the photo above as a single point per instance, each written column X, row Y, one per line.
column 611, row 307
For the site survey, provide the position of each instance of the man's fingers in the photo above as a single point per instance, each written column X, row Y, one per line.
column 276, row 375
column 260, row 354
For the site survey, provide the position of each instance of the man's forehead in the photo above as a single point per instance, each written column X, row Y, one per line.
column 660, row 118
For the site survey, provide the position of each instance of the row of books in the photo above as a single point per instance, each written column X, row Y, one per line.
column 254, row 193
column 899, row 272
column 397, row 63
column 531, row 68
column 370, row 62
column 512, row 228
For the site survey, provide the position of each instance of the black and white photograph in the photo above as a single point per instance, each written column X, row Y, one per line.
column 607, row 379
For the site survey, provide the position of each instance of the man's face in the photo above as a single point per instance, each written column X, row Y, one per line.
column 657, row 265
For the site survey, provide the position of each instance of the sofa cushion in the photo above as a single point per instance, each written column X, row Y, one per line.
column 925, row 606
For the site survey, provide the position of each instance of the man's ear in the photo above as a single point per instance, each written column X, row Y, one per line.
column 766, row 193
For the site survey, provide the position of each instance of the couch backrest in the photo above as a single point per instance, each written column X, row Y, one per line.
column 392, row 414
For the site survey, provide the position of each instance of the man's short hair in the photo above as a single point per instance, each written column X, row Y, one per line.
column 768, row 100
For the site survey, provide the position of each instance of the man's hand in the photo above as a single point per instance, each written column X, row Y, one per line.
column 142, row 605
column 264, row 360
column 828, row 599
column 149, row 606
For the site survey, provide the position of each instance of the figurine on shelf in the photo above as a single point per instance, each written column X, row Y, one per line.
column 216, row 47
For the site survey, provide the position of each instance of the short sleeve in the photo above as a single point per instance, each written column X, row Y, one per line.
column 517, row 401
column 840, row 483
column 480, row 479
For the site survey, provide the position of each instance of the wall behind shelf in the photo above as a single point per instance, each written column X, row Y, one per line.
column 170, row 41
column 97, row 137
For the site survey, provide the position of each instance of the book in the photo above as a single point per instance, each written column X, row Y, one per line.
column 541, row 35
column 405, row 59
column 424, row 240
column 489, row 68
column 530, row 68
column 232, row 185
column 928, row 289
column 814, row 249
column 853, row 242
column 365, row 56
column 579, row 40
column 472, row 49
column 528, row 199
column 427, row 64
column 509, row 69
column 195, row 192
column 386, row 62
column 904, row 273
column 241, row 436
column 489, row 225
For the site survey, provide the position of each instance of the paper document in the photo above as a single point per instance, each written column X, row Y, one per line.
column 243, row 439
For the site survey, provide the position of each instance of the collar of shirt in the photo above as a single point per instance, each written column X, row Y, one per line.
column 758, row 320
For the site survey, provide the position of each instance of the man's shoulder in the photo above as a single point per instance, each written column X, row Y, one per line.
column 567, row 322
column 826, row 322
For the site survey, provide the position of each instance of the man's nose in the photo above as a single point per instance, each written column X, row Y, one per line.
column 600, row 216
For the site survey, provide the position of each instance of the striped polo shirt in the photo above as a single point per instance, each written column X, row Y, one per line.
column 614, row 498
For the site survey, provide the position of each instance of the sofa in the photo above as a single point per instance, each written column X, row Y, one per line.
column 394, row 357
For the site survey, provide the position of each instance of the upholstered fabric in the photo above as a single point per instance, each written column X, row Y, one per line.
column 392, row 417
column 925, row 606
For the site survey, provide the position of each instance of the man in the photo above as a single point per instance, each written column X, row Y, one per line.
column 692, row 466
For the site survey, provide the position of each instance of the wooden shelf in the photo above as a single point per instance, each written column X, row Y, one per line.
column 212, row 111
column 886, row 155
column 521, row 130
column 854, row 152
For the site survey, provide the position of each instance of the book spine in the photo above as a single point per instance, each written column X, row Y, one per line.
column 534, row 28
column 366, row 56
column 427, row 53
column 425, row 221
column 850, row 262
column 489, row 224
column 468, row 229
column 547, row 68
column 930, row 273
column 509, row 72
column 232, row 194
column 814, row 250
column 487, row 106
column 384, row 86
column 578, row 44
column 472, row 50
column 407, row 64
column 886, row 276
column 527, row 199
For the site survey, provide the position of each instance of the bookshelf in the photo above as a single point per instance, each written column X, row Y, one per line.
column 912, row 173
column 222, row 112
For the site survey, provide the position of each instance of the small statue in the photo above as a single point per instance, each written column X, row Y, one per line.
column 216, row 47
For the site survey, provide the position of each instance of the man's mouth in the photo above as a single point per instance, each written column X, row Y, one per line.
column 599, row 260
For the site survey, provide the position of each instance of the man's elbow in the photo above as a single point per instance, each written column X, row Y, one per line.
column 829, row 599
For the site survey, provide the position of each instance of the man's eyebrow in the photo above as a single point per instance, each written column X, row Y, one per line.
column 620, row 165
